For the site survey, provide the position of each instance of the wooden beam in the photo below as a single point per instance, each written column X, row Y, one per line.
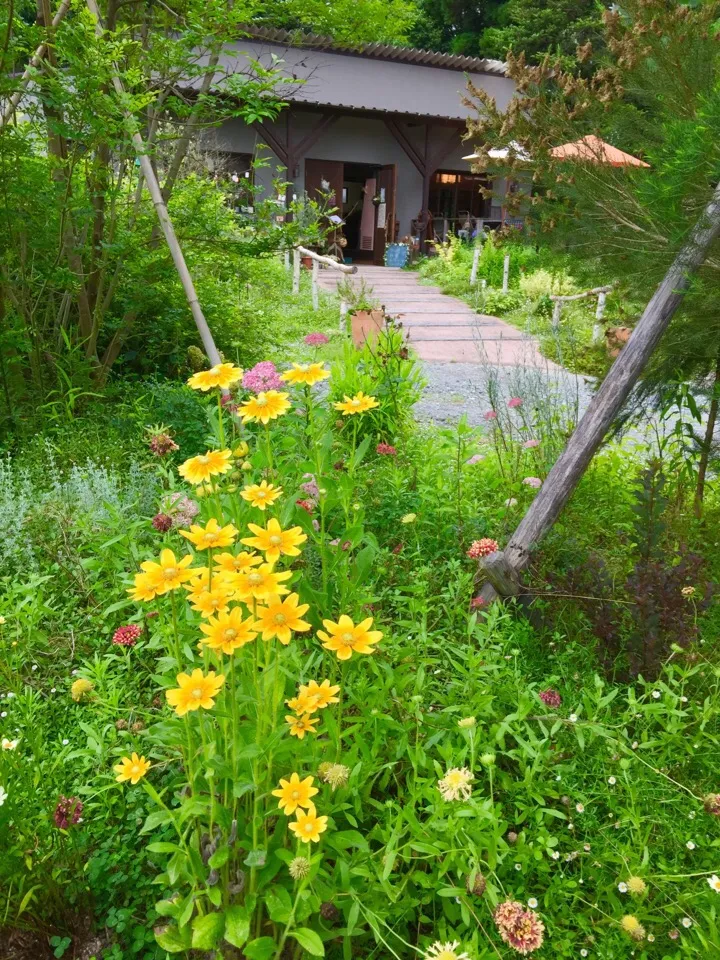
column 326, row 121
column 409, row 148
column 272, row 141
column 614, row 391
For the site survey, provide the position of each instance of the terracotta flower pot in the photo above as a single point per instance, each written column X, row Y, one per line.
column 364, row 324
column 306, row 262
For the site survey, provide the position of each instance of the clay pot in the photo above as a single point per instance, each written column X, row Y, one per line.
column 364, row 324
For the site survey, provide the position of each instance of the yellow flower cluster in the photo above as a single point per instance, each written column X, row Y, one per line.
column 360, row 403
column 310, row 698
column 294, row 796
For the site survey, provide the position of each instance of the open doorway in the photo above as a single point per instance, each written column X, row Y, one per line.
column 364, row 197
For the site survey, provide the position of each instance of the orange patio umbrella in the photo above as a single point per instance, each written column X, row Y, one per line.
column 596, row 151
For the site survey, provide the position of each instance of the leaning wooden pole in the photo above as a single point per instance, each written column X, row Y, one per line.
column 160, row 206
column 605, row 405
column 34, row 62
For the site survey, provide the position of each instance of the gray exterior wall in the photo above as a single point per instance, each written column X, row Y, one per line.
column 353, row 140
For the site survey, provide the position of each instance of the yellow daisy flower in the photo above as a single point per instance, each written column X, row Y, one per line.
column 198, row 470
column 169, row 573
column 345, row 638
column 308, row 825
column 323, row 693
column 294, row 793
column 131, row 768
column 144, row 588
column 360, row 403
column 210, row 536
column 228, row 632
column 281, row 618
column 194, row 691
column 299, row 726
column 222, row 375
column 265, row 406
column 309, row 373
column 209, row 603
column 273, row 541
column 303, row 703
column 235, row 563
column 258, row 583
column 261, row 495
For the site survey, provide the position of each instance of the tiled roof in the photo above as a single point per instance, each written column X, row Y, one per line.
column 377, row 51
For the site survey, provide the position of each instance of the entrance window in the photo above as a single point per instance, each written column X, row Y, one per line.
column 455, row 196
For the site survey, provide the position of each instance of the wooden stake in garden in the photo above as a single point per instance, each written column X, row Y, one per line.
column 160, row 206
column 502, row 568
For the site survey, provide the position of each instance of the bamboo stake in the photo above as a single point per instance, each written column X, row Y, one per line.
column 608, row 401
column 160, row 206
column 32, row 66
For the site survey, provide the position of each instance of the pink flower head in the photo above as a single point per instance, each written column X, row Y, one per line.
column 476, row 458
column 67, row 812
column 490, row 415
column 534, row 482
column 674, row 934
column 515, row 402
column 308, row 505
column 263, row 376
column 310, row 486
column 127, row 636
column 531, row 444
column 482, row 548
column 521, row 929
column 182, row 509
column 477, row 603
column 316, row 339
column 385, row 450
column 551, row 698
column 162, row 444
column 711, row 803
column 162, row 522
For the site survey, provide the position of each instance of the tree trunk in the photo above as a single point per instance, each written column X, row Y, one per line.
column 615, row 389
column 708, row 441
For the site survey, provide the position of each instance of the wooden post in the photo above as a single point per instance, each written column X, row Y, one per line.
column 286, row 259
column 614, row 391
column 315, row 297
column 599, row 314
column 506, row 273
column 153, row 186
column 475, row 262
column 343, row 316
column 33, row 63
column 296, row 273
column 557, row 310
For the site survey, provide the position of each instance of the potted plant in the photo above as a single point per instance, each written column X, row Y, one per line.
column 367, row 316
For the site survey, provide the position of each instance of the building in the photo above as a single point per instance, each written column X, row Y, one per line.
column 379, row 127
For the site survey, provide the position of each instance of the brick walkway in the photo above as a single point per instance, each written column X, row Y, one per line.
column 442, row 328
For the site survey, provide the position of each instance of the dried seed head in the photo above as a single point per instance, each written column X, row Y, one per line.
column 475, row 883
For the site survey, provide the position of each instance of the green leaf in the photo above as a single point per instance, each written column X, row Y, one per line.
column 309, row 940
column 261, row 949
column 256, row 858
column 279, row 905
column 237, row 925
column 219, row 858
column 207, row 930
column 173, row 940
column 162, row 847
column 156, row 819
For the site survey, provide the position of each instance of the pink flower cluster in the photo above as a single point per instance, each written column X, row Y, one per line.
column 310, row 486
column 490, row 415
column 534, row 482
column 316, row 339
column 127, row 636
column 386, row 450
column 482, row 548
column 531, row 444
column 515, row 402
column 308, row 505
column 521, row 929
column 180, row 508
column 477, row 603
column 162, row 444
column 263, row 376
column 551, row 698
column 67, row 812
